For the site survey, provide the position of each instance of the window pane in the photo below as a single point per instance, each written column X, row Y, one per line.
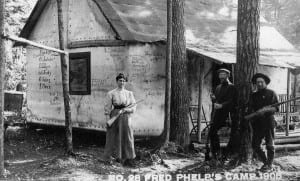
column 79, row 74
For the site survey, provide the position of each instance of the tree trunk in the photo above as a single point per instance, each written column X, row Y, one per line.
column 246, row 66
column 2, row 64
column 64, row 69
column 180, row 97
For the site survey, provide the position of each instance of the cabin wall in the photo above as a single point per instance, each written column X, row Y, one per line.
column 44, row 87
column 278, row 78
column 143, row 63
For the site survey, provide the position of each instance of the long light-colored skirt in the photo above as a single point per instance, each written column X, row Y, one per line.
column 119, row 138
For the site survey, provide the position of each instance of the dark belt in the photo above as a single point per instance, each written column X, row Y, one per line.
column 119, row 106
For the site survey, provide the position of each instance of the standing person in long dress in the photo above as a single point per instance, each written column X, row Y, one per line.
column 119, row 136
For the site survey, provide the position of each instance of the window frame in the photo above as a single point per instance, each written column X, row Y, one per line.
column 87, row 57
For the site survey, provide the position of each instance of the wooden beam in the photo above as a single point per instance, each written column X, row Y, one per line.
column 2, row 65
column 96, row 43
column 65, row 84
column 200, row 100
column 32, row 43
column 287, row 116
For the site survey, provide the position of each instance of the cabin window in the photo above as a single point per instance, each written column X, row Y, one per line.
column 80, row 73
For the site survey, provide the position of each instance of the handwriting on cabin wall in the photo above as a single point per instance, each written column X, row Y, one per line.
column 46, row 81
column 143, row 67
column 44, row 70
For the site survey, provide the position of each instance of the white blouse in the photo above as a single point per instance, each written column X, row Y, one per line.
column 119, row 97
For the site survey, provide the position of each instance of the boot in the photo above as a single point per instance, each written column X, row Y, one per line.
column 261, row 156
column 271, row 155
column 266, row 167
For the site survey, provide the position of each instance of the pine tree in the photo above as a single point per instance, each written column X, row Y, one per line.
column 246, row 66
column 180, row 97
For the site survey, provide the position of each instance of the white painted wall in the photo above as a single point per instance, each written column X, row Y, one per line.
column 143, row 63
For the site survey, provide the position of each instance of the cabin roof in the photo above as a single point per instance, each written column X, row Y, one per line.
column 210, row 28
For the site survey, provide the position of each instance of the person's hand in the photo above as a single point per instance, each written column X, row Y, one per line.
column 212, row 96
column 260, row 112
column 107, row 117
column 269, row 109
column 126, row 110
column 121, row 111
column 217, row 106
column 263, row 110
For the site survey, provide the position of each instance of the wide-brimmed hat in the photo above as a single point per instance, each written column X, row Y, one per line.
column 223, row 70
column 260, row 75
column 121, row 76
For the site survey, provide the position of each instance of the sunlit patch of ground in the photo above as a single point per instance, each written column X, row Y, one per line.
column 39, row 155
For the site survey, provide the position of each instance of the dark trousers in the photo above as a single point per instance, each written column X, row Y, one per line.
column 214, row 137
column 267, row 132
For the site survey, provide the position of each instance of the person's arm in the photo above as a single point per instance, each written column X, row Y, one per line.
column 216, row 105
column 270, row 109
column 231, row 98
column 132, row 101
column 250, row 108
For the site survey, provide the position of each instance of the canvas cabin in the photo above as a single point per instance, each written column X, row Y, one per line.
column 105, row 37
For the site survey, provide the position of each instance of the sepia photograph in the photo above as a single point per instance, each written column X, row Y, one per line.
column 150, row 90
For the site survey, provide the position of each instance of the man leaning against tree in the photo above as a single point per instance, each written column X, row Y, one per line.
column 263, row 124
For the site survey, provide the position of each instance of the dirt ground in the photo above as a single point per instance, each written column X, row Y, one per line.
column 38, row 154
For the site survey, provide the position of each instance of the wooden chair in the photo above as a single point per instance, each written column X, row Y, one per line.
column 193, row 109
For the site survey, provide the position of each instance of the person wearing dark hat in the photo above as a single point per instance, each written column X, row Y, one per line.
column 263, row 124
column 119, row 136
column 224, row 101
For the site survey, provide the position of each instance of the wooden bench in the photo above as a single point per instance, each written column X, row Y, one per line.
column 13, row 103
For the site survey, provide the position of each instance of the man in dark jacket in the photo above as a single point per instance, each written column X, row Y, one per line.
column 264, row 123
column 223, row 100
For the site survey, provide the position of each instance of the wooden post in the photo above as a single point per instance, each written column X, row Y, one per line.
column 165, row 136
column 2, row 65
column 295, row 108
column 287, row 114
column 295, row 85
column 168, row 73
column 201, row 82
column 65, row 82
